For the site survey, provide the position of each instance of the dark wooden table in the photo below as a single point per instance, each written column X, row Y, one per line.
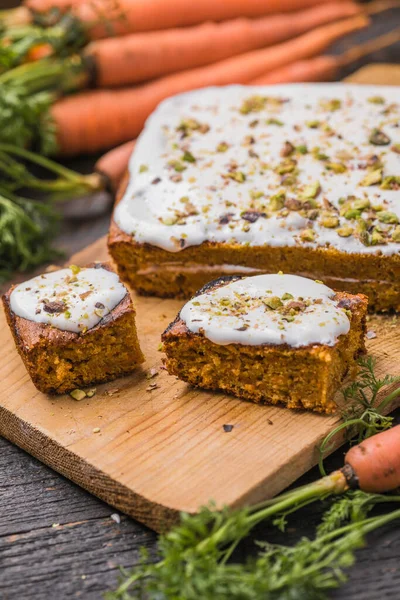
column 59, row 542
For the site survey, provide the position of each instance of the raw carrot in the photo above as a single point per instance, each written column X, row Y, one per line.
column 115, row 163
column 326, row 68
column 102, row 118
column 140, row 57
column 129, row 16
column 376, row 462
column 321, row 68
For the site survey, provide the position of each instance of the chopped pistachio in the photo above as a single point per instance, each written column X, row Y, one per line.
column 376, row 100
column 396, row 148
column 302, row 149
column 330, row 221
column 90, row 393
column 361, row 203
column 273, row 121
column 277, row 201
column 372, row 178
column 238, row 176
column 391, row 182
column 177, row 165
column 336, row 167
column 345, row 231
column 253, row 104
column 169, row 220
column 396, row 234
column 307, row 235
column 312, row 190
column 287, row 296
column 222, row 147
column 385, row 216
column 351, row 213
column 287, row 149
column 67, row 314
column 78, row 394
column 143, row 168
column 188, row 157
column 378, row 138
column 286, row 166
column 365, row 238
column 273, row 302
column 75, row 269
column 377, row 238
column 331, row 105
column 313, row 124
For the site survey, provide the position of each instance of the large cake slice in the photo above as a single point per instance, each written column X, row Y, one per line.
column 270, row 339
column 247, row 180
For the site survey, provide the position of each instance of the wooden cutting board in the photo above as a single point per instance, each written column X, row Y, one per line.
column 154, row 452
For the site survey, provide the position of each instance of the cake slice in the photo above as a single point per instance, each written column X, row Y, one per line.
column 269, row 339
column 247, row 180
column 74, row 327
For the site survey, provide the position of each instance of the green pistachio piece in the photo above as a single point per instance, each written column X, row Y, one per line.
column 277, row 201
column 273, row 121
column 361, row 204
column 188, row 157
column 396, row 234
column 330, row 222
column 143, row 168
column 287, row 296
column 307, row 235
column 372, row 178
column 273, row 302
column 378, row 138
column 377, row 238
column 385, row 216
column 253, row 104
column 351, row 213
column 362, row 225
column 345, row 231
column 177, row 165
column 376, row 100
column 331, row 105
column 312, row 190
column 302, row 149
column 391, row 182
column 396, row 148
column 336, row 167
column 238, row 176
column 313, row 124
column 222, row 147
column 365, row 238
column 286, row 166
column 78, row 394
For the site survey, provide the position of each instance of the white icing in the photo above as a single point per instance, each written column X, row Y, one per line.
column 318, row 323
column 147, row 206
column 88, row 296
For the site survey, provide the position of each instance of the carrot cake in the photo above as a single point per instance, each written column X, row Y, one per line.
column 299, row 178
column 269, row 339
column 73, row 327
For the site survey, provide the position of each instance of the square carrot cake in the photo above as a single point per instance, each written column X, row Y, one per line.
column 269, row 339
column 246, row 180
column 73, row 327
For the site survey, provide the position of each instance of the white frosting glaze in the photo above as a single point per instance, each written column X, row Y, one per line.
column 173, row 209
column 237, row 313
column 67, row 299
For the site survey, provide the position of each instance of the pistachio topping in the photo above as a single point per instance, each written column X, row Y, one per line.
column 279, row 166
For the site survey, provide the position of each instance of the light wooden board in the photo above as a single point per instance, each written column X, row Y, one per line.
column 162, row 451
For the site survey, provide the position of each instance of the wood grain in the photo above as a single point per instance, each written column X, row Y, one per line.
column 165, row 450
column 162, row 451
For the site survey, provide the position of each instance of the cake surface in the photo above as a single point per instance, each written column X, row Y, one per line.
column 268, row 338
column 73, row 327
column 303, row 178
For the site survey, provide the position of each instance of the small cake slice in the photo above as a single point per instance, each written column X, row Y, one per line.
column 74, row 327
column 269, row 338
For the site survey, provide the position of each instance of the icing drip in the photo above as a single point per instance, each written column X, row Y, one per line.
column 268, row 309
column 69, row 299
column 315, row 165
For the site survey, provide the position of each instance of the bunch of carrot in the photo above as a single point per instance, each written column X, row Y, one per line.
column 140, row 52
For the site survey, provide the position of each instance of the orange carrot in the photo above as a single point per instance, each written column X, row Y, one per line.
column 321, row 68
column 115, row 163
column 326, row 68
column 376, row 462
column 140, row 57
column 102, row 118
column 129, row 16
